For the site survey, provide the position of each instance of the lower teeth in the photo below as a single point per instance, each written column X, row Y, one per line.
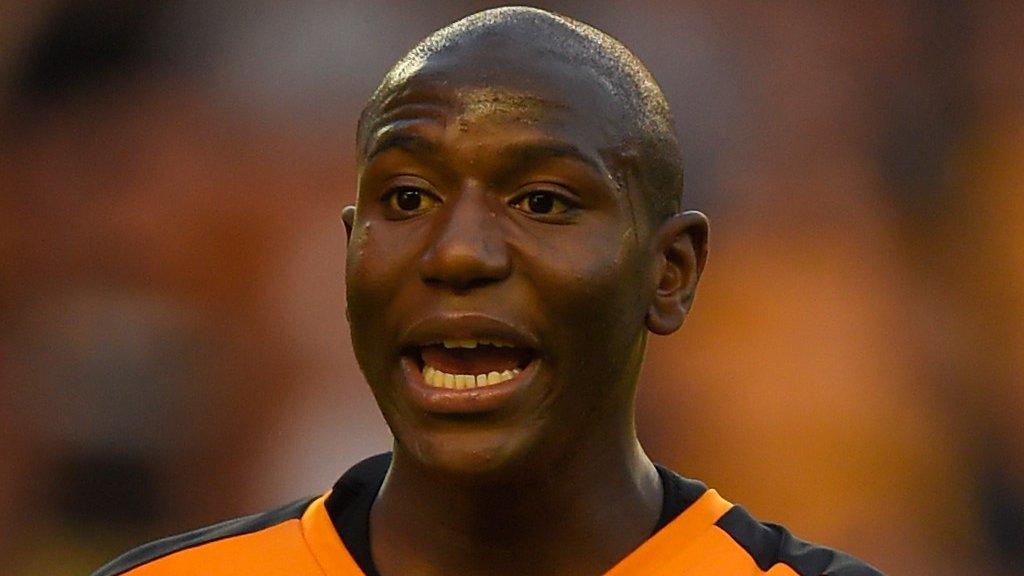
column 438, row 379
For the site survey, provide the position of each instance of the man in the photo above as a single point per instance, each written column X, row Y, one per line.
column 516, row 235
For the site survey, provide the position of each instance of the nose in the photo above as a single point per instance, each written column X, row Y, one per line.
column 469, row 250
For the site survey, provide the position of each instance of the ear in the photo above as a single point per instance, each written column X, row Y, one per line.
column 682, row 245
column 348, row 216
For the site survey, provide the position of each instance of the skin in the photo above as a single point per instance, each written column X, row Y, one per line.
column 474, row 133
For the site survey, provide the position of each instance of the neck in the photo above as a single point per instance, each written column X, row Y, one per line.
column 580, row 516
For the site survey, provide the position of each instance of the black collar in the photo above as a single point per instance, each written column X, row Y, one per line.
column 352, row 497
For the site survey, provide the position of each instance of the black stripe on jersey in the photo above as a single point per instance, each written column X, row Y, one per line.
column 349, row 507
column 771, row 544
column 678, row 494
column 237, row 527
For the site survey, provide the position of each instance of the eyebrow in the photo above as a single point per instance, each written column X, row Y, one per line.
column 536, row 151
column 412, row 143
column 520, row 152
column 546, row 149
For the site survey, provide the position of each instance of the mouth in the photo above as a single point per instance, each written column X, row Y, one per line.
column 465, row 364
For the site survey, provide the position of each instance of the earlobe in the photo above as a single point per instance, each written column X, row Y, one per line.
column 682, row 246
column 348, row 217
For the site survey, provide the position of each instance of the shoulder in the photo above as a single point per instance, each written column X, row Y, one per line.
column 771, row 545
column 248, row 536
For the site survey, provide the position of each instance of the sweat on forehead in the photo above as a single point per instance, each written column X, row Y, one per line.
column 520, row 38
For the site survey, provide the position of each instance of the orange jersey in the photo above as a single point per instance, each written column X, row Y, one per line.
column 710, row 537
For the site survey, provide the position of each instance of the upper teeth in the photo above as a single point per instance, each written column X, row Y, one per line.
column 474, row 343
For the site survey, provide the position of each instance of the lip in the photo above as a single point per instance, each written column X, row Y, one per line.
column 466, row 326
column 469, row 400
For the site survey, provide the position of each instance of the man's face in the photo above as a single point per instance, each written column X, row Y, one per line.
column 498, row 277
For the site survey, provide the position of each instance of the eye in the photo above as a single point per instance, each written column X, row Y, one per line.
column 408, row 201
column 542, row 202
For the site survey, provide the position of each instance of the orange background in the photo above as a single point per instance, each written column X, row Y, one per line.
column 173, row 348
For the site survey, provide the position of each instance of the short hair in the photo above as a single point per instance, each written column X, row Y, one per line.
column 651, row 139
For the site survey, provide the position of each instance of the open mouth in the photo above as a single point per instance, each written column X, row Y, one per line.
column 459, row 364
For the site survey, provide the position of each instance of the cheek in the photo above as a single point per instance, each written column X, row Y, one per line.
column 376, row 267
column 592, row 290
column 375, row 264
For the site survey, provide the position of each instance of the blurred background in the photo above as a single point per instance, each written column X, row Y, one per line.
column 173, row 347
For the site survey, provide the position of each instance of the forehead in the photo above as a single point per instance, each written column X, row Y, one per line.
column 495, row 86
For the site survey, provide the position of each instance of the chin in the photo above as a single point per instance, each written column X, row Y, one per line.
column 488, row 456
